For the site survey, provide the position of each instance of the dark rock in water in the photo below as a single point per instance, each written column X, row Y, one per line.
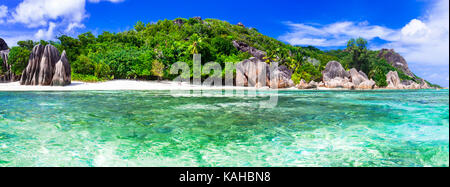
column 396, row 60
column 256, row 73
column 42, row 65
column 62, row 76
column 334, row 70
column 3, row 45
column 241, row 46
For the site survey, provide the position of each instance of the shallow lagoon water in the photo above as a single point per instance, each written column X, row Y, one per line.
column 155, row 128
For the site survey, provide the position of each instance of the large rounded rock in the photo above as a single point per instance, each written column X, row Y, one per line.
column 281, row 77
column 334, row 70
column 357, row 77
column 252, row 73
column 62, row 76
column 339, row 82
column 367, row 85
column 396, row 60
column 394, row 81
column 256, row 73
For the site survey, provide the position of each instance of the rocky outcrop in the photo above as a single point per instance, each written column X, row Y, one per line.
column 357, row 77
column 252, row 73
column 367, row 85
column 256, row 73
column 62, row 76
column 334, row 70
column 241, row 24
column 335, row 76
column 303, row 85
column 393, row 81
column 3, row 45
column 241, row 46
column 424, row 85
column 179, row 22
column 42, row 65
column 280, row 77
column 360, row 80
column 338, row 82
column 396, row 60
column 6, row 75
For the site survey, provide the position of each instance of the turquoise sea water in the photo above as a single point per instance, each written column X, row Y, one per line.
column 154, row 128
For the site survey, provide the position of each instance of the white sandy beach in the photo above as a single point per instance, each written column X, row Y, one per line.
column 118, row 85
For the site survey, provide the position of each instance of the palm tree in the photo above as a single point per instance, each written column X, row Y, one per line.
column 271, row 57
column 195, row 47
column 297, row 59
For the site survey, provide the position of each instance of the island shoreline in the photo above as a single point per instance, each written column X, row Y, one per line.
column 134, row 85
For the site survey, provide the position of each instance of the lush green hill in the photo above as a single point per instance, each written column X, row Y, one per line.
column 147, row 51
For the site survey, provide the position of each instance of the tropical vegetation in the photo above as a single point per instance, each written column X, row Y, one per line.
column 148, row 51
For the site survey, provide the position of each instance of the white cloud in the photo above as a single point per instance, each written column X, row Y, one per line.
column 46, row 34
column 423, row 41
column 37, row 13
column 3, row 13
column 46, row 18
column 336, row 34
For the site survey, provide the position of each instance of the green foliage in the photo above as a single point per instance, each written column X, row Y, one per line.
column 2, row 68
column 85, row 78
column 157, row 69
column 130, row 54
column 359, row 54
column 18, row 59
column 307, row 72
column 28, row 44
column 146, row 51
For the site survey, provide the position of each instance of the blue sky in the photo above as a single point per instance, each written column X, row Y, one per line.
column 418, row 29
